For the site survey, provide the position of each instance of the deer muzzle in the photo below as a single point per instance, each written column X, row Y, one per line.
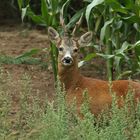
column 67, row 60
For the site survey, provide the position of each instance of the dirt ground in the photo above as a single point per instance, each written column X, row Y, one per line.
column 15, row 40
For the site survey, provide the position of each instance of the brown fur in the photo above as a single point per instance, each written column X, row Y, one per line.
column 98, row 90
column 75, row 83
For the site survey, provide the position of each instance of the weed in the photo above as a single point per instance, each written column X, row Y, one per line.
column 58, row 121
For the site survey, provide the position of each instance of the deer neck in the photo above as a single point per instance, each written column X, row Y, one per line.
column 69, row 75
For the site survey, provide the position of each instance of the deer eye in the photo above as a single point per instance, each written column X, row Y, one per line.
column 60, row 49
column 75, row 50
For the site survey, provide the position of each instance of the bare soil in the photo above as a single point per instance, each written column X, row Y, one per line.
column 16, row 40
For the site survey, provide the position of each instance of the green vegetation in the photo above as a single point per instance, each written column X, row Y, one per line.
column 29, row 58
column 115, row 24
column 56, row 121
column 116, row 28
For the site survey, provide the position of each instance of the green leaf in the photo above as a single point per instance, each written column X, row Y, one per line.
column 36, row 18
column 117, row 61
column 23, row 12
column 91, row 6
column 21, row 60
column 6, row 59
column 75, row 18
column 124, row 47
column 19, row 4
column 97, row 23
column 104, row 28
column 132, row 19
column 118, row 25
column 137, row 27
column 90, row 56
column 64, row 6
column 54, row 6
column 105, row 56
column 116, row 6
column 137, row 43
column 87, row 58
column 137, row 49
column 44, row 10
column 123, row 74
column 29, row 53
column 128, row 3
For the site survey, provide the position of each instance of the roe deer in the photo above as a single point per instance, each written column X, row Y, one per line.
column 75, row 83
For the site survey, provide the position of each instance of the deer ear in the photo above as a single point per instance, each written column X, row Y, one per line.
column 53, row 35
column 85, row 39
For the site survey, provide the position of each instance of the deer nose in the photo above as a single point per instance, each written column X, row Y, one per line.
column 67, row 60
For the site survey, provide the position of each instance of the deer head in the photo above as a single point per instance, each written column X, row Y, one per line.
column 68, row 46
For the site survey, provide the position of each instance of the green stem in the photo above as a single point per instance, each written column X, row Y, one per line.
column 109, row 52
column 118, row 69
column 54, row 60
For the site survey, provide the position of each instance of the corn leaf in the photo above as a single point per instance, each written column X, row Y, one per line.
column 44, row 10
column 20, row 4
column 116, row 6
column 23, row 12
column 91, row 6
column 75, row 18
column 104, row 28
column 36, row 18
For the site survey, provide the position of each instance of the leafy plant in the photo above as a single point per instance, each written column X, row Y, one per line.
column 25, row 58
column 57, row 120
column 49, row 16
column 115, row 25
column 115, row 22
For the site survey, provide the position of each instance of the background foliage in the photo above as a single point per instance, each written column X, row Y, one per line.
column 116, row 27
column 115, row 24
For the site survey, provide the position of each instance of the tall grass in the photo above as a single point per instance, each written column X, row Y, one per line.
column 57, row 121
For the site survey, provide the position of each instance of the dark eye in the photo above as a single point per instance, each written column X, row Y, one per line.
column 75, row 50
column 61, row 49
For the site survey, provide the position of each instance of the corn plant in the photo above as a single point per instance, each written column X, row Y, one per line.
column 117, row 24
column 116, row 27
column 49, row 16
